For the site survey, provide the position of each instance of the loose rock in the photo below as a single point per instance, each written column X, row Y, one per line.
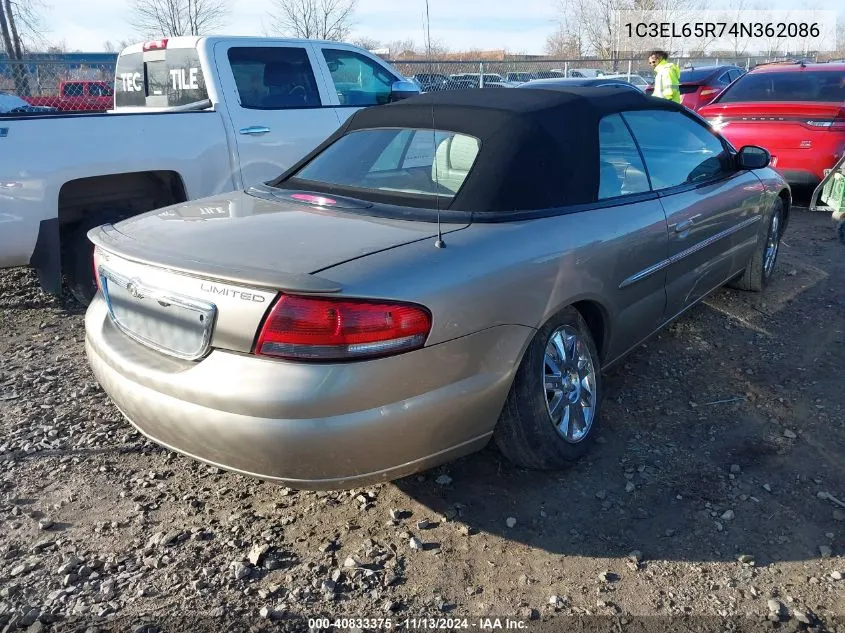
column 257, row 553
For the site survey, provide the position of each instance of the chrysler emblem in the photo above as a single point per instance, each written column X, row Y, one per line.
column 132, row 287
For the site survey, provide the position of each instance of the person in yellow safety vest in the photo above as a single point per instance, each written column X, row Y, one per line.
column 667, row 76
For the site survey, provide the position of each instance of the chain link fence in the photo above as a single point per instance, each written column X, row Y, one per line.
column 44, row 85
column 438, row 74
column 80, row 85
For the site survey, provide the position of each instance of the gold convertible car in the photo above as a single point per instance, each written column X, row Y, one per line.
column 451, row 268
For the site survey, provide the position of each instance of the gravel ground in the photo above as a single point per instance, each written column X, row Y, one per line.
column 715, row 499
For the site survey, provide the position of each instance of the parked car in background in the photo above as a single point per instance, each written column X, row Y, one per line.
column 582, row 82
column 79, row 96
column 634, row 79
column 12, row 104
column 316, row 332
column 519, row 77
column 193, row 117
column 429, row 82
column 699, row 86
column 794, row 110
column 830, row 195
column 549, row 74
column 491, row 80
column 584, row 72
column 435, row 83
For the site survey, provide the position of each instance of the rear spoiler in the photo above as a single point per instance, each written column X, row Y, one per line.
column 113, row 241
column 829, row 195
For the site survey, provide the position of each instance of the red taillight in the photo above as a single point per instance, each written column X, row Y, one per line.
column 155, row 45
column 96, row 272
column 319, row 328
column 833, row 125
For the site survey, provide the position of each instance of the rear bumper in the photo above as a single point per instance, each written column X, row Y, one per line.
column 312, row 425
column 800, row 178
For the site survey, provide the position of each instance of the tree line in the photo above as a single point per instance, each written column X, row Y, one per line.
column 584, row 28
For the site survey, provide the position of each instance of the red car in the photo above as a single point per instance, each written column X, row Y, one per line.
column 79, row 96
column 699, row 86
column 794, row 110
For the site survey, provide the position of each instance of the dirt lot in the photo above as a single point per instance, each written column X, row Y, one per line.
column 714, row 501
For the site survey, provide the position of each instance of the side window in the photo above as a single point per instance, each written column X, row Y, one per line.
column 99, row 90
column 677, row 149
column 621, row 169
column 359, row 80
column 274, row 78
column 74, row 89
column 735, row 74
column 724, row 79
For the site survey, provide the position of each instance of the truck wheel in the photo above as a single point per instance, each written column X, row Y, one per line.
column 550, row 417
column 78, row 264
column 841, row 231
column 759, row 270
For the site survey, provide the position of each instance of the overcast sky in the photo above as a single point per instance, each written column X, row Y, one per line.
column 515, row 25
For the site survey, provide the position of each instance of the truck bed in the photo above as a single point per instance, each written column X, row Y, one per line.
column 83, row 145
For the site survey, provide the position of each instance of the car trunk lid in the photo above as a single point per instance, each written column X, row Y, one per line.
column 190, row 277
column 777, row 126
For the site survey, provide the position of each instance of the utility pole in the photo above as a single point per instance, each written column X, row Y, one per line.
column 428, row 39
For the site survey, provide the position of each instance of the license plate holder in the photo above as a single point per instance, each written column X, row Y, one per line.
column 167, row 322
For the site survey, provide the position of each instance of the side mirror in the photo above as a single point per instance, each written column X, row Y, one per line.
column 753, row 157
column 403, row 89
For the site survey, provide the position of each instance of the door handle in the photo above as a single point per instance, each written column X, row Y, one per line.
column 680, row 227
column 254, row 130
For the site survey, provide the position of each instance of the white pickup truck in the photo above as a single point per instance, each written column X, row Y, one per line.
column 193, row 117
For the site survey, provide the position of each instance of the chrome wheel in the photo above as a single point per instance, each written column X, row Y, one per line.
column 570, row 381
column 772, row 244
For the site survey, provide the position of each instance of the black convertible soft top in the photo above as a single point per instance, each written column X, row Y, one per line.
column 539, row 147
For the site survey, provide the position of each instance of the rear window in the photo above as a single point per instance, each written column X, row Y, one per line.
column 695, row 75
column 817, row 85
column 74, row 89
column 161, row 78
column 412, row 165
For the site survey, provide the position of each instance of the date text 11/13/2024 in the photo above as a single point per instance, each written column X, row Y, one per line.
column 419, row 624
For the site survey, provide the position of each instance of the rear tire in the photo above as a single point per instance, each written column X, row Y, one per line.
column 758, row 272
column 546, row 423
